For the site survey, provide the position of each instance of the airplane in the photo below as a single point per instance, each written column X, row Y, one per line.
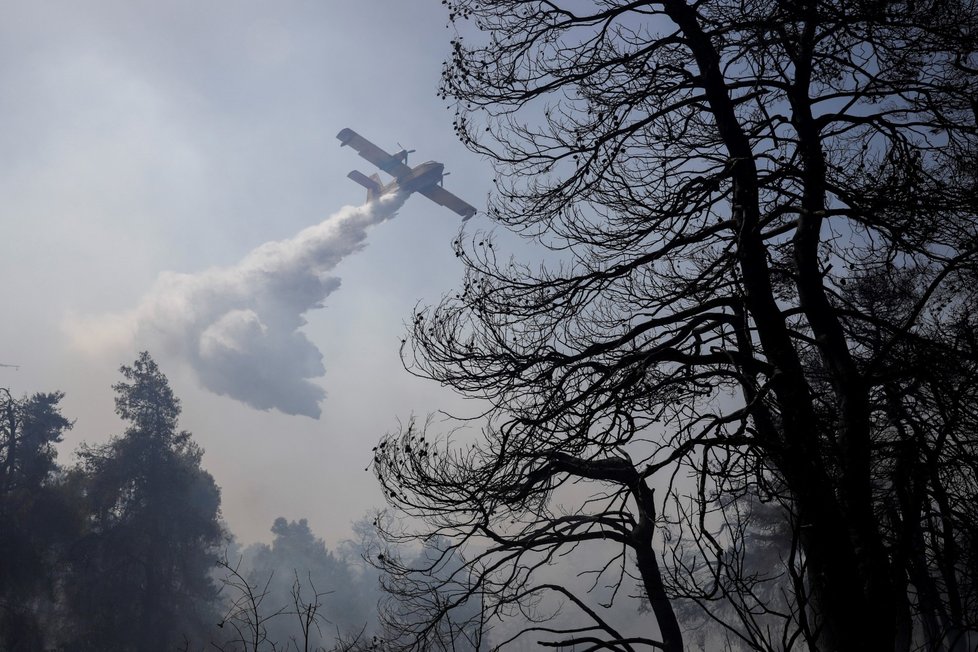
column 425, row 178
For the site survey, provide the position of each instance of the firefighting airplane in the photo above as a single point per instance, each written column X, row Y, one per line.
column 425, row 178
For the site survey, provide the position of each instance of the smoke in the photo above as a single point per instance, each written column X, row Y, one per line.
column 238, row 327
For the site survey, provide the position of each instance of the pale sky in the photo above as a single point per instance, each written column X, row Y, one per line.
column 143, row 138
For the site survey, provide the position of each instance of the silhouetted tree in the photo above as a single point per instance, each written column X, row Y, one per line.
column 764, row 218
column 37, row 519
column 141, row 575
column 296, row 594
column 420, row 584
column 245, row 623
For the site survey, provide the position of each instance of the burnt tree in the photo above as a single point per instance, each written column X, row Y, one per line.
column 765, row 245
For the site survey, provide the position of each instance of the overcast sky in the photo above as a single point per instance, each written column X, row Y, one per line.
column 149, row 149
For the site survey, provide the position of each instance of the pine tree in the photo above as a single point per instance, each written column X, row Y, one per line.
column 141, row 575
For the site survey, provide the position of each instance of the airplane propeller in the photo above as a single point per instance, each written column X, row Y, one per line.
column 441, row 182
column 403, row 154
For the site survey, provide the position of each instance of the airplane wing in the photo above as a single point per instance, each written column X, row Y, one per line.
column 372, row 153
column 441, row 196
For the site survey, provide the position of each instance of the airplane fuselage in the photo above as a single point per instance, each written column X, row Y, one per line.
column 421, row 176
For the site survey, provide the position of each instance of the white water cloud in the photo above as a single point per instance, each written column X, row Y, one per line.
column 238, row 327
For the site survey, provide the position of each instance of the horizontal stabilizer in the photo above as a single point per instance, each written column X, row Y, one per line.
column 371, row 184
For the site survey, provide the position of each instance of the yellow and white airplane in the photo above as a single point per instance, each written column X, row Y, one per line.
column 425, row 178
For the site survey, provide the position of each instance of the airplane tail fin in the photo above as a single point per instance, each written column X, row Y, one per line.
column 371, row 183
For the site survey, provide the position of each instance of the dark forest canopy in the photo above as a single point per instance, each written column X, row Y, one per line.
column 757, row 359
column 126, row 550
column 140, row 571
column 37, row 520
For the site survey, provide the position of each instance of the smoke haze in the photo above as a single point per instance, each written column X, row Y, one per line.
column 239, row 327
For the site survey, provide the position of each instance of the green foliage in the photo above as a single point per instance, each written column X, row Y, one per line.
column 36, row 518
column 140, row 575
column 146, row 400
column 121, row 552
